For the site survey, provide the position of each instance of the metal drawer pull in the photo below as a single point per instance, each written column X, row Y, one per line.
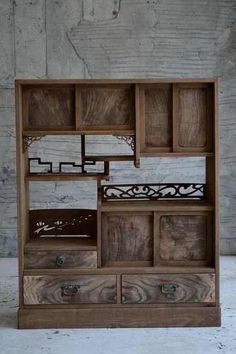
column 60, row 261
column 69, row 290
column 168, row 288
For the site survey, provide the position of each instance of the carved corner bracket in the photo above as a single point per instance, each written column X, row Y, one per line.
column 128, row 139
column 29, row 140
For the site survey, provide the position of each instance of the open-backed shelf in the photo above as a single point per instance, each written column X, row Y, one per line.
column 157, row 205
column 66, row 177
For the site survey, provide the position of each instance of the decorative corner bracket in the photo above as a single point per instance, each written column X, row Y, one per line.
column 28, row 140
column 128, row 139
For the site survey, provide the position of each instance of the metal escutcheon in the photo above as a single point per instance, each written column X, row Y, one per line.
column 60, row 261
column 69, row 290
column 168, row 289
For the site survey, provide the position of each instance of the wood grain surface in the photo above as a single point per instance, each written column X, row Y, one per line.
column 49, row 106
column 119, row 317
column 127, row 237
column 183, row 237
column 106, row 106
column 96, row 289
column 158, row 116
column 60, row 259
column 150, row 288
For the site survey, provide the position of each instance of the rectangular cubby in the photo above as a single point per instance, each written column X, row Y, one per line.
column 127, row 239
column 49, row 107
column 176, row 118
column 105, row 108
column 183, row 238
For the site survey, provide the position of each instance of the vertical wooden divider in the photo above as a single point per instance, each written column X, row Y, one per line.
column 156, row 237
column 175, row 113
column 78, row 111
column 119, row 288
column 216, row 191
column 99, row 225
column 138, row 105
column 22, row 189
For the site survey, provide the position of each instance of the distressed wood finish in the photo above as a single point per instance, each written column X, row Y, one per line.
column 127, row 238
column 107, row 107
column 60, row 259
column 180, row 288
column 146, row 263
column 157, row 118
column 95, row 289
column 120, row 317
column 184, row 238
column 193, row 105
column 49, row 106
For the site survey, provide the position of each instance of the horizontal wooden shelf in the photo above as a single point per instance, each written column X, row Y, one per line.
column 122, row 270
column 159, row 205
column 65, row 177
column 112, row 81
column 109, row 158
column 77, row 132
column 65, row 244
column 175, row 154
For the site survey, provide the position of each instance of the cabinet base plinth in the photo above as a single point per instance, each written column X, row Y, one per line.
column 119, row 317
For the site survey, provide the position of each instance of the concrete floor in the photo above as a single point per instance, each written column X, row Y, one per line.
column 125, row 341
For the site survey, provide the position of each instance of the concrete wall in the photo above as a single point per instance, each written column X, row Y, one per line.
column 116, row 39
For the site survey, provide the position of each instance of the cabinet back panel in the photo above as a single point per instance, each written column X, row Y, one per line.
column 158, row 116
column 183, row 237
column 52, row 107
column 106, row 107
column 127, row 237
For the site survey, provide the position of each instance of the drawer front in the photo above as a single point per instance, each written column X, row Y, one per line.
column 83, row 289
column 163, row 288
column 60, row 259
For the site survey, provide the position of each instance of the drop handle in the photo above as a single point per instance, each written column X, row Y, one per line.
column 168, row 289
column 60, row 260
column 69, row 290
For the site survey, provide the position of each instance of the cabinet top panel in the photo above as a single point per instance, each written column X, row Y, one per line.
column 113, row 81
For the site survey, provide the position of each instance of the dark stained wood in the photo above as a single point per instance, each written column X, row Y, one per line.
column 60, row 259
column 156, row 288
column 97, row 289
column 49, row 106
column 158, row 118
column 107, row 107
column 183, row 239
column 119, row 317
column 127, row 237
column 61, row 222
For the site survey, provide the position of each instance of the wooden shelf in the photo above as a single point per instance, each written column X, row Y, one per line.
column 77, row 132
column 175, row 154
column 65, row 177
column 109, row 158
column 65, row 244
column 122, row 270
column 159, row 205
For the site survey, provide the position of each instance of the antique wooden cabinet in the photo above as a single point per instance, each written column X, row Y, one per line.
column 148, row 254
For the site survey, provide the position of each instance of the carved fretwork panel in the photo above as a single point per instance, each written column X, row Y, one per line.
column 63, row 222
column 153, row 191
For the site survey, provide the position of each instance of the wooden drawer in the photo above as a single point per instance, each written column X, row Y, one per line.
column 164, row 288
column 82, row 289
column 60, row 259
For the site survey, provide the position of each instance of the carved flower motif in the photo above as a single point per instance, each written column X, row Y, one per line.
column 40, row 223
